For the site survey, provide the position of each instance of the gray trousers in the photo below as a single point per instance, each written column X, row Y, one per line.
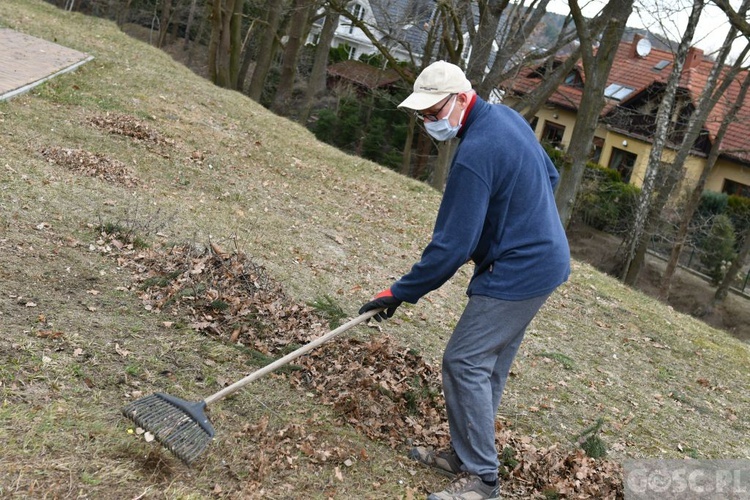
column 476, row 363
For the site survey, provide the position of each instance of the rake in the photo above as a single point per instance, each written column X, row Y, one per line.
column 182, row 426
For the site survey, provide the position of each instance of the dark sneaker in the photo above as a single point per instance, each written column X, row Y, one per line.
column 446, row 463
column 467, row 487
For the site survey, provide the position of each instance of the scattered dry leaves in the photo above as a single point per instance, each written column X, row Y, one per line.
column 382, row 389
column 128, row 126
column 92, row 164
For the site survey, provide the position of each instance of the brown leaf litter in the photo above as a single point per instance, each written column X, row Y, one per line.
column 384, row 390
column 128, row 126
column 92, row 164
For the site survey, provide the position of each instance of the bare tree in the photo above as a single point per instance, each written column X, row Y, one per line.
column 316, row 84
column 189, row 24
column 165, row 18
column 628, row 251
column 554, row 70
column 597, row 61
column 301, row 11
column 266, row 50
column 490, row 12
column 688, row 210
column 513, row 34
column 737, row 19
column 225, row 44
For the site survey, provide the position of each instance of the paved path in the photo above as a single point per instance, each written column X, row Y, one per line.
column 27, row 61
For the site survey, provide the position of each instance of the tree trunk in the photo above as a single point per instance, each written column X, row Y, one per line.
column 189, row 23
column 316, row 86
column 693, row 201
column 164, row 19
column 445, row 155
column 297, row 30
column 266, row 50
column 123, row 14
column 406, row 155
column 637, row 232
column 235, row 42
column 223, row 44
column 481, row 46
column 514, row 34
column 531, row 103
column 247, row 59
column 676, row 168
column 596, row 65
column 213, row 43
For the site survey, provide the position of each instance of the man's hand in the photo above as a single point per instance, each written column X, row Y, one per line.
column 383, row 300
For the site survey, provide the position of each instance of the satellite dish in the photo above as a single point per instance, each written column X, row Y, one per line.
column 643, row 47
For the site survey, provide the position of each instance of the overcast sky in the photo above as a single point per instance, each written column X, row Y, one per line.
column 668, row 17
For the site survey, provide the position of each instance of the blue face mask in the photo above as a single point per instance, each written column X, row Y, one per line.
column 442, row 130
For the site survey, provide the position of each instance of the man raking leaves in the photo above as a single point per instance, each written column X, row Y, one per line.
column 498, row 210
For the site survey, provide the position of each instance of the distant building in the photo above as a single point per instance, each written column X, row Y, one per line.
column 400, row 25
column 635, row 87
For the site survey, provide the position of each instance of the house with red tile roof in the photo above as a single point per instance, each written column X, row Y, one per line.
column 627, row 122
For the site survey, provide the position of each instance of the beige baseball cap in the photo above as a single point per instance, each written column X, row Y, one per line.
column 436, row 82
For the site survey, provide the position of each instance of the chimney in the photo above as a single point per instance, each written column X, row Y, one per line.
column 634, row 45
column 694, row 58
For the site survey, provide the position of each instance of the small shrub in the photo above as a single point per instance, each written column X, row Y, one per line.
column 329, row 309
column 712, row 203
column 564, row 360
column 508, row 462
column 604, row 201
column 738, row 210
column 558, row 157
column 718, row 248
column 325, row 126
column 590, row 441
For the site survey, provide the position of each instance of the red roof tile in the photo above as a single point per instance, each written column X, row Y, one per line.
column 639, row 73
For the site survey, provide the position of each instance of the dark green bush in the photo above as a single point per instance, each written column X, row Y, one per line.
column 558, row 157
column 712, row 203
column 604, row 201
column 738, row 210
column 325, row 127
column 718, row 248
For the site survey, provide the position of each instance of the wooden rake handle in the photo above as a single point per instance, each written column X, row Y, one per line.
column 231, row 389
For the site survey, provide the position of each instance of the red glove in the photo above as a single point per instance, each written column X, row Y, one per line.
column 384, row 300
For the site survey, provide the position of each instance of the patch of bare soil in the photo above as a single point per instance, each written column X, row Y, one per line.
column 690, row 294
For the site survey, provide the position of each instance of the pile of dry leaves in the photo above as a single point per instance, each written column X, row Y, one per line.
column 92, row 164
column 384, row 390
column 127, row 126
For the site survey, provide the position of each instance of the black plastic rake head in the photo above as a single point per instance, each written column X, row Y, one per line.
column 181, row 426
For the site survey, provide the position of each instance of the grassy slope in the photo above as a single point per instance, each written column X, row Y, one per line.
column 322, row 223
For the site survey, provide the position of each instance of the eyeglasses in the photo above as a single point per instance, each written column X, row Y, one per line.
column 433, row 117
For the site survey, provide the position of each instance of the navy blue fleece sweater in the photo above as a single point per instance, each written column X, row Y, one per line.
column 498, row 210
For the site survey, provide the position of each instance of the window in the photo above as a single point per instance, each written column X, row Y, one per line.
column 357, row 11
column 534, row 122
column 623, row 162
column 661, row 65
column 737, row 188
column 553, row 134
column 617, row 91
column 574, row 79
column 596, row 149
